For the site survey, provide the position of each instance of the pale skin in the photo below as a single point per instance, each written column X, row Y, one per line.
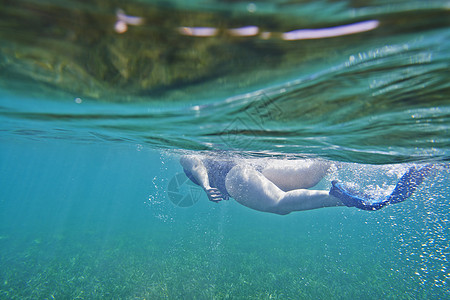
column 281, row 187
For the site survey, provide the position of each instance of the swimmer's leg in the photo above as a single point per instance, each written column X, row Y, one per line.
column 252, row 189
column 302, row 199
column 296, row 174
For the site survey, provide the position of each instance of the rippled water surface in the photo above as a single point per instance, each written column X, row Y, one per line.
column 99, row 98
column 379, row 95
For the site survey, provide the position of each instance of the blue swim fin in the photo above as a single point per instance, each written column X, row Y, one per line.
column 408, row 183
column 354, row 199
column 403, row 190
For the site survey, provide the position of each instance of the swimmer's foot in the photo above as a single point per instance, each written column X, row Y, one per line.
column 409, row 182
column 353, row 199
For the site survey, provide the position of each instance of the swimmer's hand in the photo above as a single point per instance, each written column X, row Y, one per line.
column 214, row 194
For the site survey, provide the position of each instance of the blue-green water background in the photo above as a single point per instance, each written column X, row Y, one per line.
column 84, row 171
column 94, row 221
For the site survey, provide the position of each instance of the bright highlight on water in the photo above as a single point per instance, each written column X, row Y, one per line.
column 224, row 149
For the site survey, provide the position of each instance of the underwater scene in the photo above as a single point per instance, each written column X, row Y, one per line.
column 224, row 149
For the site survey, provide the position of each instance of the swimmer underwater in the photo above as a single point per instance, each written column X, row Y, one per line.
column 282, row 187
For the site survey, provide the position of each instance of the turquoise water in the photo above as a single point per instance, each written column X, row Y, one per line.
column 95, row 221
column 93, row 122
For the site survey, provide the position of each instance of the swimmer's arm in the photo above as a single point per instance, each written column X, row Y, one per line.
column 198, row 170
